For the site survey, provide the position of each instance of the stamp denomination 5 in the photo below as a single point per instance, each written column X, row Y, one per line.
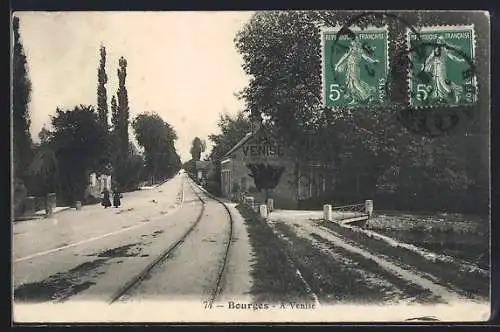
column 355, row 67
column 440, row 59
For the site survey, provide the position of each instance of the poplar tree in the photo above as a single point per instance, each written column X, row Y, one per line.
column 114, row 113
column 102, row 97
column 123, row 109
column 21, row 93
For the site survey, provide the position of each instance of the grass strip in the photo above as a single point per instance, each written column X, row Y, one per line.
column 472, row 253
column 419, row 294
column 332, row 280
column 275, row 280
column 451, row 276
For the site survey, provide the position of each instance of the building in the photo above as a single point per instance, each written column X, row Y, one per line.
column 202, row 169
column 260, row 151
column 98, row 183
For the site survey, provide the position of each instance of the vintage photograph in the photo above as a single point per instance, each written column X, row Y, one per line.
column 250, row 166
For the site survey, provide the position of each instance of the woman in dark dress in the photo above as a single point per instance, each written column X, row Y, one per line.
column 116, row 198
column 106, row 202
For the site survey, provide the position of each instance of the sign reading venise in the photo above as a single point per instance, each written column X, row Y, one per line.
column 263, row 146
column 262, row 150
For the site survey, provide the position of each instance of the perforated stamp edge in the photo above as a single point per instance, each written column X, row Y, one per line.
column 431, row 28
column 336, row 29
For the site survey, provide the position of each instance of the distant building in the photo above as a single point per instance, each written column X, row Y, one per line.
column 98, row 183
column 202, row 169
column 300, row 179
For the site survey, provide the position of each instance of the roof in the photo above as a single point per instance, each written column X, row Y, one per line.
column 315, row 158
column 201, row 164
column 248, row 136
column 239, row 144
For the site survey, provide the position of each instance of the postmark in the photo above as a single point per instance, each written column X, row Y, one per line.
column 426, row 118
column 439, row 71
column 355, row 67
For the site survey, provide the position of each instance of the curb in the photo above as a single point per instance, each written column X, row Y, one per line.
column 42, row 213
column 163, row 182
column 27, row 218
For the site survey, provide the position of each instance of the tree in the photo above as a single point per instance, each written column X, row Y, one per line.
column 150, row 130
column 197, row 148
column 232, row 130
column 114, row 134
column 78, row 141
column 115, row 116
column 157, row 138
column 102, row 97
column 265, row 177
column 190, row 168
column 120, row 121
column 132, row 171
column 44, row 168
column 122, row 109
column 21, row 92
column 44, row 135
column 169, row 161
column 281, row 52
column 102, row 109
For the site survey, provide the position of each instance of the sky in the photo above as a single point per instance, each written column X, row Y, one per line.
column 182, row 65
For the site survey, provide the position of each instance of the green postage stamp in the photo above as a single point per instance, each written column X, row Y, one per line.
column 441, row 59
column 355, row 67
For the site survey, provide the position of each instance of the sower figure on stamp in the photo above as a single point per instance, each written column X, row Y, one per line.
column 435, row 65
column 116, row 197
column 106, row 202
column 350, row 62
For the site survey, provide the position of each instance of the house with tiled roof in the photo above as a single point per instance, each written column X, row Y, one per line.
column 299, row 179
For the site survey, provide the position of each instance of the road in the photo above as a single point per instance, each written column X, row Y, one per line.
column 175, row 242
column 170, row 242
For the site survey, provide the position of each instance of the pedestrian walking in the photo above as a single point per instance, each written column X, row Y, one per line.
column 116, row 197
column 106, row 202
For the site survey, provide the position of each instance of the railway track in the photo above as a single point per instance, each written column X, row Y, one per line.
column 164, row 255
column 218, row 289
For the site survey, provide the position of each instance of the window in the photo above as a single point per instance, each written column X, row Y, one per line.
column 304, row 186
column 226, row 182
